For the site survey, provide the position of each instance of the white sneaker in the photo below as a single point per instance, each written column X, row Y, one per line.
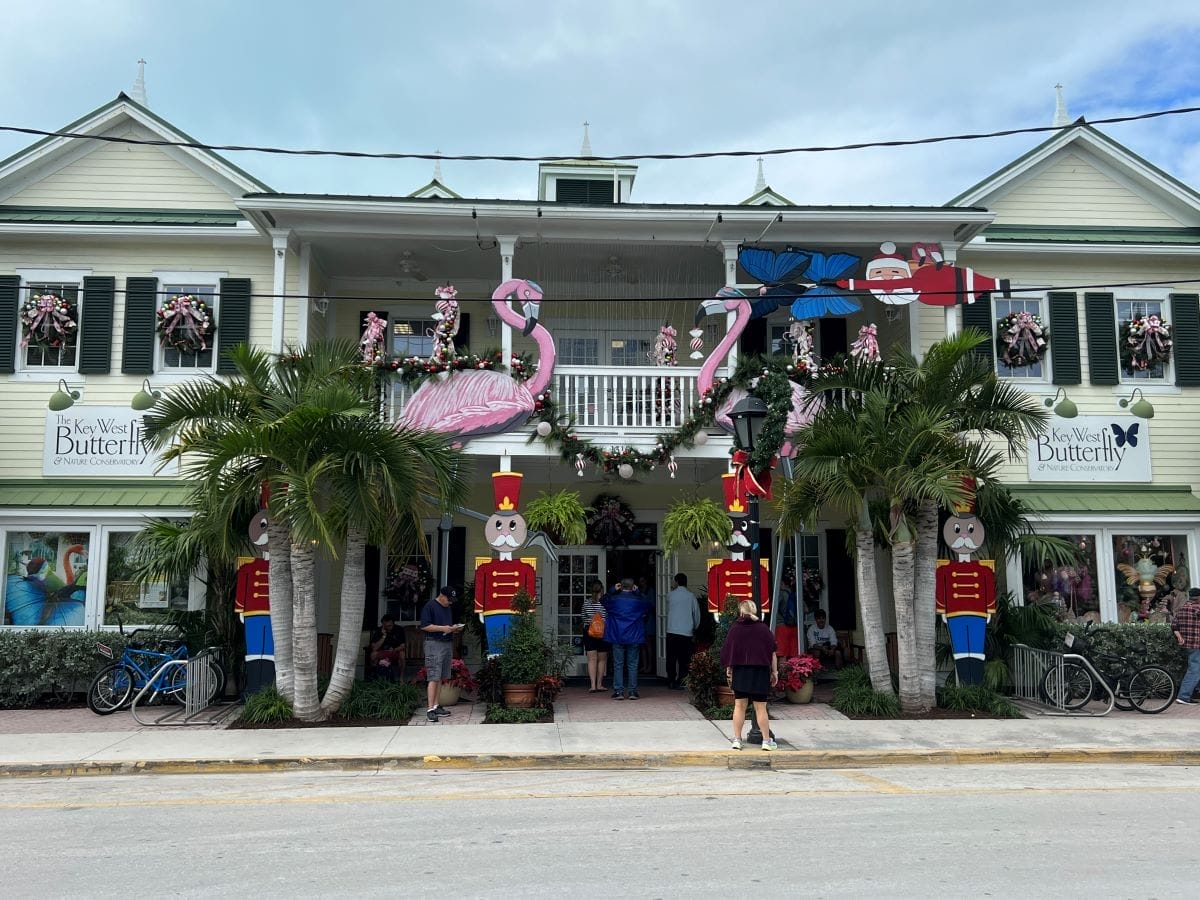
column 735, row 744
column 769, row 744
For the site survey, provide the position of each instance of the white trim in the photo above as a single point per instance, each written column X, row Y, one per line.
column 280, row 239
column 981, row 244
column 1152, row 295
column 176, row 277
column 50, row 276
column 63, row 275
column 204, row 279
column 1026, row 382
column 241, row 231
column 303, row 304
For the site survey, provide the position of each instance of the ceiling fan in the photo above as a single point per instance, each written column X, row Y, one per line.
column 410, row 269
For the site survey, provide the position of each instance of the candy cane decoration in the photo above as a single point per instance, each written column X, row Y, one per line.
column 866, row 347
column 672, row 466
column 579, row 464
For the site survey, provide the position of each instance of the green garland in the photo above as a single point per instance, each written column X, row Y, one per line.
column 413, row 370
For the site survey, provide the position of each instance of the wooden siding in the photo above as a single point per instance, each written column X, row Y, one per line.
column 117, row 175
column 1072, row 191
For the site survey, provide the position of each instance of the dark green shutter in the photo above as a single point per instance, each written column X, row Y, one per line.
column 978, row 315
column 1185, row 333
column 10, row 290
column 233, row 321
column 96, row 325
column 1103, row 364
column 462, row 340
column 833, row 335
column 1064, row 338
column 141, row 307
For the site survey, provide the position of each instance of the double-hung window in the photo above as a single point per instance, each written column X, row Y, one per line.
column 203, row 286
column 1002, row 308
column 1141, row 307
column 49, row 320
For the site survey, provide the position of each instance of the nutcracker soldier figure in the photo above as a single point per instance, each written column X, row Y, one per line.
column 253, row 606
column 732, row 577
column 497, row 581
column 966, row 592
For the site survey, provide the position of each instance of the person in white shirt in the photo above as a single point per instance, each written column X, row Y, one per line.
column 822, row 641
column 683, row 618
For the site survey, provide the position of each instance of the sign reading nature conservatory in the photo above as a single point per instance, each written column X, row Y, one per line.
column 1092, row 448
column 99, row 440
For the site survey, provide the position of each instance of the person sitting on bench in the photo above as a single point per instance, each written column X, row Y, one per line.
column 823, row 642
column 385, row 653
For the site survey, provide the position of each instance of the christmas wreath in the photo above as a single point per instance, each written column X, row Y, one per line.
column 610, row 521
column 1021, row 340
column 1145, row 343
column 47, row 321
column 185, row 323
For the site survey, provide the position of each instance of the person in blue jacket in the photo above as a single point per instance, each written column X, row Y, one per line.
column 625, row 630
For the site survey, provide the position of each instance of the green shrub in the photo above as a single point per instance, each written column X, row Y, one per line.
column 854, row 696
column 267, row 706
column 499, row 714
column 704, row 675
column 380, row 699
column 37, row 663
column 977, row 698
column 1152, row 645
column 490, row 681
column 720, row 712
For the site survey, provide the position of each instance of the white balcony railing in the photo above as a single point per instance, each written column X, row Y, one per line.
column 612, row 398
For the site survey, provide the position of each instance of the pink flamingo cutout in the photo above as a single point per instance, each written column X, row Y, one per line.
column 475, row 402
column 732, row 300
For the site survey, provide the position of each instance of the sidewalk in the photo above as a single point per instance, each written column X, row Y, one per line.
column 570, row 742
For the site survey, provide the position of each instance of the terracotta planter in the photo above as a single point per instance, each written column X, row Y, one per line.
column 804, row 695
column 724, row 695
column 521, row 696
column 448, row 694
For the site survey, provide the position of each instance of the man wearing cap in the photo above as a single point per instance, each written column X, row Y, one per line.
column 437, row 621
column 1186, row 626
column 497, row 581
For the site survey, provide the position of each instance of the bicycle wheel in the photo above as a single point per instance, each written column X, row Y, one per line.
column 175, row 684
column 1151, row 689
column 1073, row 691
column 219, row 679
column 111, row 689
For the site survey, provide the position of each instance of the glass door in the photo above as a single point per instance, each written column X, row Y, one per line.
column 577, row 570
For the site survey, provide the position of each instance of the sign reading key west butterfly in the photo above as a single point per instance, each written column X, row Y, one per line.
column 1101, row 449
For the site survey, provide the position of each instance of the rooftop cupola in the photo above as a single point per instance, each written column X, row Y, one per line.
column 586, row 180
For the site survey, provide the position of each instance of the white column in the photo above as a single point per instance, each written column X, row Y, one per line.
column 279, row 247
column 951, row 254
column 729, row 250
column 508, row 246
column 304, row 305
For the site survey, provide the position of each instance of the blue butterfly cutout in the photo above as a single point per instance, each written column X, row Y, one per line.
column 1125, row 436
column 780, row 270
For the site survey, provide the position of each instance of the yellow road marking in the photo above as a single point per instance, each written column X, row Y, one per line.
column 880, row 785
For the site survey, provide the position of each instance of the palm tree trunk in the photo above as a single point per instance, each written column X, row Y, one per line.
column 903, row 554
column 872, row 615
column 354, row 603
column 279, row 575
column 925, row 600
column 306, row 704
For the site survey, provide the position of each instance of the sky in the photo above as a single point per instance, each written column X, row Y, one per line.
column 521, row 76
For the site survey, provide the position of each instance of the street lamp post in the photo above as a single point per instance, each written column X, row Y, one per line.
column 749, row 415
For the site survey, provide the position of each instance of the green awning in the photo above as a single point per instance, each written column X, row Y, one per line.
column 69, row 493
column 1086, row 498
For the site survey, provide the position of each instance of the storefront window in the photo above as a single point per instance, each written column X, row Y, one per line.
column 1072, row 588
column 128, row 601
column 46, row 577
column 1151, row 575
column 576, row 574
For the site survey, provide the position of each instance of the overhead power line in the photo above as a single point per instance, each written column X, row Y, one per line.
column 497, row 157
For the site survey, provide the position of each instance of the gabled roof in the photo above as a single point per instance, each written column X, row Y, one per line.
column 104, row 118
column 766, row 197
column 1150, row 180
column 437, row 190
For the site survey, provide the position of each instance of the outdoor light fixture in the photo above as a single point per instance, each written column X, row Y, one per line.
column 145, row 398
column 63, row 398
column 1142, row 408
column 748, row 415
column 1066, row 409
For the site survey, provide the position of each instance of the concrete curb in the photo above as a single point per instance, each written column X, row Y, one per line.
column 750, row 758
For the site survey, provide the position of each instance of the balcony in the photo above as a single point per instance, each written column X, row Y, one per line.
column 614, row 400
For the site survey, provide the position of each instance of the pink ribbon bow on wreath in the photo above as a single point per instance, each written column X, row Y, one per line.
column 50, row 323
column 191, row 323
column 1024, row 338
column 866, row 347
column 1151, row 343
column 372, row 337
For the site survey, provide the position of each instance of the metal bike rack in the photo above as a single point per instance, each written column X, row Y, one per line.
column 1029, row 670
column 197, row 689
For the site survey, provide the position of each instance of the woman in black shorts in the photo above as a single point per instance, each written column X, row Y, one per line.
column 596, row 648
column 748, row 656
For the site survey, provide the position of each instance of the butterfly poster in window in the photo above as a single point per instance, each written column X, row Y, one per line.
column 1101, row 449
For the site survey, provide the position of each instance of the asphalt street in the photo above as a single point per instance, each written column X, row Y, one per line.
column 920, row 831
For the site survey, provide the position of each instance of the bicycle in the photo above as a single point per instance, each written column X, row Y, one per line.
column 114, row 686
column 1147, row 688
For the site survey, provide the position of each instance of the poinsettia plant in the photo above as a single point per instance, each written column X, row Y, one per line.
column 460, row 676
column 796, row 670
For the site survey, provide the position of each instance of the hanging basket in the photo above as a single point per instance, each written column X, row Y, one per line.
column 1145, row 343
column 1021, row 340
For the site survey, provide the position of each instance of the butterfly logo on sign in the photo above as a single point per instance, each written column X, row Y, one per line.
column 1124, row 436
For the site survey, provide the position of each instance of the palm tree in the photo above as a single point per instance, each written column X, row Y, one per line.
column 303, row 424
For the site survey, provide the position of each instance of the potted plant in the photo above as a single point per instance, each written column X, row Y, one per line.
column 451, row 690
column 693, row 520
column 796, row 677
column 561, row 515
column 525, row 657
column 723, row 691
